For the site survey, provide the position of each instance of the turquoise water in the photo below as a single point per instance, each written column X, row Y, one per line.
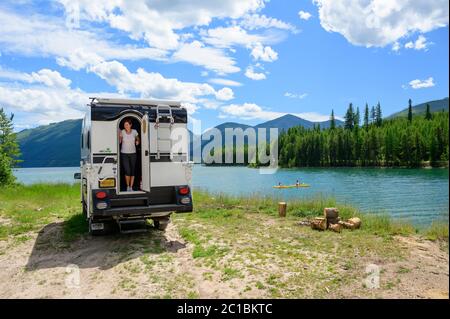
column 416, row 195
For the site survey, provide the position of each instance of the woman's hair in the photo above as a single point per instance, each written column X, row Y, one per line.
column 128, row 121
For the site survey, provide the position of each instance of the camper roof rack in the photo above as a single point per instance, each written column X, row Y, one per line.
column 96, row 100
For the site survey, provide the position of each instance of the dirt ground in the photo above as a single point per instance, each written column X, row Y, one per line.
column 161, row 265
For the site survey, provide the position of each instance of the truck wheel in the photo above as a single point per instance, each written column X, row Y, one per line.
column 161, row 224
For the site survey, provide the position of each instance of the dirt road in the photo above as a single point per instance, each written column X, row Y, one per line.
column 168, row 265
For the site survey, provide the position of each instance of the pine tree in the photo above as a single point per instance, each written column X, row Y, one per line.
column 332, row 120
column 378, row 115
column 373, row 114
column 356, row 118
column 9, row 149
column 409, row 111
column 366, row 117
column 349, row 118
column 428, row 115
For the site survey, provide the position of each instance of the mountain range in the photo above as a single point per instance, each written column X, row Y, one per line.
column 58, row 144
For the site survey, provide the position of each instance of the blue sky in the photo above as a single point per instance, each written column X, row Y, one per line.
column 239, row 60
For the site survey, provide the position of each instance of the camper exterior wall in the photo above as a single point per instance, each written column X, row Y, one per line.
column 104, row 140
column 176, row 173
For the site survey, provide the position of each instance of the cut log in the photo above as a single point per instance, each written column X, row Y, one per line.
column 282, row 209
column 352, row 223
column 331, row 213
column 332, row 216
column 355, row 221
column 335, row 227
column 319, row 223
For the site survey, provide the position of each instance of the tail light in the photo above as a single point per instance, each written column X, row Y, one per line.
column 183, row 190
column 101, row 195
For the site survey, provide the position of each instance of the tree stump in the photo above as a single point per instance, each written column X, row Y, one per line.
column 319, row 223
column 331, row 215
column 282, row 209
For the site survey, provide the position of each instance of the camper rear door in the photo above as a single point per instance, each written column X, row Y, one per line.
column 145, row 145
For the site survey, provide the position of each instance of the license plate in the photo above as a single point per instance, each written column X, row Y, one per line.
column 110, row 182
column 97, row 226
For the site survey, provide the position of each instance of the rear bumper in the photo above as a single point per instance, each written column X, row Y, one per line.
column 147, row 211
column 160, row 202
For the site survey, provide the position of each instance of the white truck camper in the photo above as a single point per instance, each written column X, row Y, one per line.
column 162, row 177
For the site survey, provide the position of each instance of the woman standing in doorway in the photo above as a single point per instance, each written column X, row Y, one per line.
column 128, row 138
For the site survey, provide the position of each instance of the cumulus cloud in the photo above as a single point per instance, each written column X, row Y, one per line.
column 154, row 85
column 420, row 44
column 157, row 22
column 251, row 74
column 421, row 84
column 377, row 23
column 226, row 37
column 304, row 15
column 47, row 36
column 252, row 111
column 210, row 58
column 225, row 94
column 258, row 21
column 48, row 99
column 266, row 54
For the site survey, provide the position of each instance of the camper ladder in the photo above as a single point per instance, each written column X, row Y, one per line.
column 163, row 111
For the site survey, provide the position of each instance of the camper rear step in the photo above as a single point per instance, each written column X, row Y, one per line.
column 128, row 226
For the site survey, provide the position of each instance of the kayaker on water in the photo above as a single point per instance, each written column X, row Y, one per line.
column 297, row 183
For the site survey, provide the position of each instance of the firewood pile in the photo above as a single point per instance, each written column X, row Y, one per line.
column 332, row 221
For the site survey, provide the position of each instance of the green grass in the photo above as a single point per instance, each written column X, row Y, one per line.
column 29, row 208
column 236, row 239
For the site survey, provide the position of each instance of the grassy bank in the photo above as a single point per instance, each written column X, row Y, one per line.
column 233, row 247
column 28, row 208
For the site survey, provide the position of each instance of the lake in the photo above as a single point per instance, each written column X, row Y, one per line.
column 416, row 195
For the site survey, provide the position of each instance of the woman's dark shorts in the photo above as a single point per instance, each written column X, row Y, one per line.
column 128, row 163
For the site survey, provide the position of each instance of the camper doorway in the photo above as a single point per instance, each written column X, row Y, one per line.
column 122, row 185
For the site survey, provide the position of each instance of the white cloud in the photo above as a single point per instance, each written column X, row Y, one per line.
column 396, row 46
column 295, row 95
column 154, row 85
column 45, row 76
column 257, row 21
column 226, row 37
column 210, row 58
column 226, row 82
column 420, row 84
column 251, row 74
column 420, row 44
column 49, row 99
column 304, row 15
column 157, row 21
column 266, row 54
column 47, row 36
column 377, row 23
column 225, row 94
column 251, row 111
